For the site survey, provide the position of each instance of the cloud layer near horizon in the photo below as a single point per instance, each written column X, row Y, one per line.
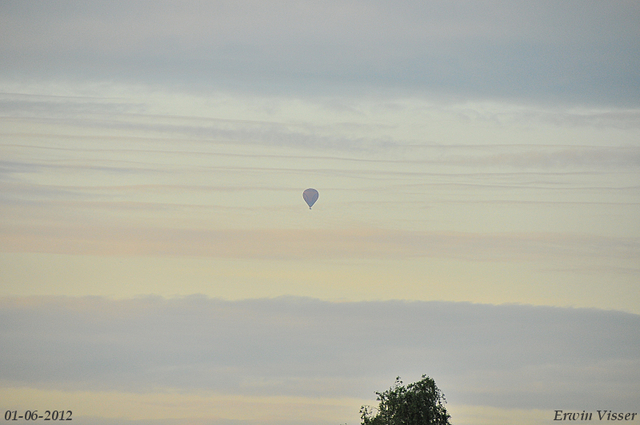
column 508, row 356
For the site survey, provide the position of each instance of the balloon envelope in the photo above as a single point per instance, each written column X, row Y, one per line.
column 310, row 196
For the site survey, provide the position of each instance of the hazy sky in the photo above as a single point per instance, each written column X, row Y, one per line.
column 478, row 165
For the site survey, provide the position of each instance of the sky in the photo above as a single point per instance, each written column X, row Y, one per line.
column 478, row 165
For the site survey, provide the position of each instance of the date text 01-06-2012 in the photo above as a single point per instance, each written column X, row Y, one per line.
column 33, row 415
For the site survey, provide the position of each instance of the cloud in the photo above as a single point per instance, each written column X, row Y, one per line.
column 59, row 235
column 558, row 158
column 512, row 356
column 368, row 138
column 577, row 52
column 139, row 119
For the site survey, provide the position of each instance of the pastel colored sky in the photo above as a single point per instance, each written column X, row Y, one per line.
column 478, row 165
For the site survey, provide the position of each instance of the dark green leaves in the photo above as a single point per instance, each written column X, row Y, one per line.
column 419, row 403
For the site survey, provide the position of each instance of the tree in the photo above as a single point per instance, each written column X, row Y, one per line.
column 419, row 403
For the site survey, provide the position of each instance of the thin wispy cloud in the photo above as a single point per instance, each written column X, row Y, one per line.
column 60, row 237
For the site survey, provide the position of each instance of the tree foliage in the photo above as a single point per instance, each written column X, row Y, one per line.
column 419, row 403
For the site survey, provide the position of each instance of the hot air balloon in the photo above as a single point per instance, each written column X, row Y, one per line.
column 310, row 196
